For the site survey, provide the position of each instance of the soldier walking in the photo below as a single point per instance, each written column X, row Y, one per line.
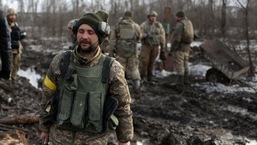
column 124, row 40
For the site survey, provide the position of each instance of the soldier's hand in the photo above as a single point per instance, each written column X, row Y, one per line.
column 45, row 137
column 163, row 55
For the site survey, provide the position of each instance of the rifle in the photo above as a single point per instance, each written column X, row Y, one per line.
column 149, row 39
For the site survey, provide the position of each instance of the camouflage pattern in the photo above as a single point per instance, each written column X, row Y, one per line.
column 150, row 52
column 147, row 59
column 182, row 49
column 105, row 46
column 155, row 29
column 117, row 87
column 181, row 62
column 131, row 63
column 177, row 43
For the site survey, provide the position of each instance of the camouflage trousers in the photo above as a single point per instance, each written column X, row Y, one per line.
column 15, row 65
column 147, row 59
column 67, row 137
column 181, row 62
column 131, row 65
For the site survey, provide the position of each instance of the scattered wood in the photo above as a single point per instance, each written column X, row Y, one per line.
column 6, row 86
column 22, row 119
column 5, row 127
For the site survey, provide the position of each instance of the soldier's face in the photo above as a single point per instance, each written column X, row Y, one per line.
column 12, row 17
column 178, row 19
column 152, row 18
column 87, row 38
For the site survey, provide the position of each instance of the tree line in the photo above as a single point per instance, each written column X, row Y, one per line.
column 212, row 18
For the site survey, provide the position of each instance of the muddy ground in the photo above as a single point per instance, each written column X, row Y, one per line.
column 163, row 114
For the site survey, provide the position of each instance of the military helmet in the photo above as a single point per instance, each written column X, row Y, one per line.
column 11, row 11
column 152, row 13
column 72, row 23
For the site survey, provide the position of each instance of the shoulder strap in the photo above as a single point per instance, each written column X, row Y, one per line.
column 106, row 69
column 65, row 62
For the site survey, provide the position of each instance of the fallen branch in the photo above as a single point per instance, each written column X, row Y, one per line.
column 5, row 127
column 23, row 119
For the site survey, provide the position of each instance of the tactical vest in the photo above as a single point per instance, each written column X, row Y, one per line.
column 126, row 39
column 126, row 30
column 154, row 37
column 188, row 31
column 82, row 96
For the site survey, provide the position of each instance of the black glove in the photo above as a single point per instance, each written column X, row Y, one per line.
column 163, row 55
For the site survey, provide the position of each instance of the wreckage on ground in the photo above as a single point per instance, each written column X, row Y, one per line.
column 227, row 65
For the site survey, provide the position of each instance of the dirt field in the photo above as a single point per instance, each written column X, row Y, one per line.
column 163, row 113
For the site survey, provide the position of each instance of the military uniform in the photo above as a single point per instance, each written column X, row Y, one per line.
column 153, row 37
column 182, row 38
column 125, row 48
column 15, row 43
column 117, row 87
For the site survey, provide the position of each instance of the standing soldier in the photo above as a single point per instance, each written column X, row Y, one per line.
column 182, row 38
column 15, row 42
column 153, row 37
column 5, row 47
column 125, row 38
column 85, row 93
column 71, row 35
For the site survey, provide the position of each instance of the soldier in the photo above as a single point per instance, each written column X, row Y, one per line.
column 125, row 38
column 153, row 37
column 71, row 35
column 5, row 47
column 105, row 45
column 182, row 38
column 15, row 42
column 85, row 93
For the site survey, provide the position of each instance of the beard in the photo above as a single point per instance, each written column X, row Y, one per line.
column 90, row 49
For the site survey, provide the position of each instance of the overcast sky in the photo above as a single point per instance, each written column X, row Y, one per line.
column 14, row 3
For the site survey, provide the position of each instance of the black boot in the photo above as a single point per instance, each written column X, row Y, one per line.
column 186, row 80
column 180, row 80
column 5, row 74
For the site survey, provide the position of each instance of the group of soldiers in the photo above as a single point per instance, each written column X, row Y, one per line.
column 11, row 47
column 85, row 95
column 139, row 65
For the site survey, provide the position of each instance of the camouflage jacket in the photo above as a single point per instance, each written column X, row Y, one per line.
column 117, row 87
column 156, row 29
column 177, row 43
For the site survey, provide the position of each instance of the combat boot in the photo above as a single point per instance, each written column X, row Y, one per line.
column 137, row 86
column 186, row 80
column 180, row 80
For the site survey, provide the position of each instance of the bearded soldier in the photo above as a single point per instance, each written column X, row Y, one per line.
column 85, row 93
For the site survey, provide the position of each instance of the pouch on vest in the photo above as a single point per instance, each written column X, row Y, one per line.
column 126, row 31
column 95, row 112
column 78, row 114
column 125, row 49
column 65, row 104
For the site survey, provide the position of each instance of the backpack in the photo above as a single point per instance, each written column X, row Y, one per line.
column 126, row 37
column 188, row 32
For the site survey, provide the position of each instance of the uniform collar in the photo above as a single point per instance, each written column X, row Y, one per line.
column 85, row 61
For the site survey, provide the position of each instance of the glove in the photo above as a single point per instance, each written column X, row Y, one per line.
column 163, row 55
column 170, row 53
